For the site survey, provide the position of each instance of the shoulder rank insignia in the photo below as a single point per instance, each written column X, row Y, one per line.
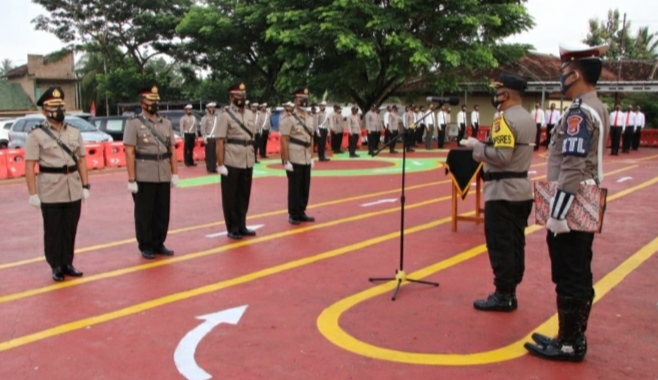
column 576, row 104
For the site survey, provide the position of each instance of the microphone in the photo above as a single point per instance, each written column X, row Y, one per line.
column 453, row 101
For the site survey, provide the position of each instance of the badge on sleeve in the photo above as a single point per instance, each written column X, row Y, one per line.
column 502, row 135
column 577, row 137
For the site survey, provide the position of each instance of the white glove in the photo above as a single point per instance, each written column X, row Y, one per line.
column 288, row 166
column 174, row 180
column 85, row 194
column 557, row 226
column 312, row 163
column 35, row 201
column 469, row 142
column 132, row 187
column 222, row 170
column 205, row 140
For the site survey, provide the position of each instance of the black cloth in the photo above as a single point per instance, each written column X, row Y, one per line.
column 264, row 136
column 322, row 143
column 504, row 229
column 409, row 139
column 60, row 225
column 463, row 168
column 571, row 263
column 615, row 135
column 461, row 132
column 420, row 130
column 236, row 191
column 336, row 141
column 188, row 148
column 299, row 189
column 442, row 135
column 373, row 141
column 537, row 136
column 211, row 155
column 257, row 144
column 388, row 137
column 549, row 128
column 152, row 202
column 474, row 130
column 636, row 138
column 628, row 139
column 353, row 139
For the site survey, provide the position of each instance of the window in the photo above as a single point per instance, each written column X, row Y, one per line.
column 7, row 126
column 114, row 125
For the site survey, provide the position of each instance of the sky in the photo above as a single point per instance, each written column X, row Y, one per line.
column 556, row 21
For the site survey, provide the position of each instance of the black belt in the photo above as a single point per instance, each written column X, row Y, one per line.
column 300, row 142
column 152, row 156
column 60, row 170
column 240, row 142
column 494, row 176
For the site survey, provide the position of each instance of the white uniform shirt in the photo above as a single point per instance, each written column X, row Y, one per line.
column 538, row 117
column 461, row 118
column 629, row 119
column 617, row 119
column 639, row 119
column 430, row 118
column 443, row 119
column 552, row 117
column 475, row 117
column 386, row 116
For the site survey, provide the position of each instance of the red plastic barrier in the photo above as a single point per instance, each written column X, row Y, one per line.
column 94, row 157
column 15, row 163
column 179, row 144
column 199, row 151
column 3, row 165
column 273, row 143
column 115, row 154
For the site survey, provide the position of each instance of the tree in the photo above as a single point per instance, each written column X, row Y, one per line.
column 645, row 45
column 360, row 50
column 141, row 29
column 622, row 44
column 5, row 67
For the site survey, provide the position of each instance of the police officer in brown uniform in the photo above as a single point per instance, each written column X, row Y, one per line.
column 62, row 183
column 264, row 128
column 337, row 126
column 209, row 132
column 374, row 129
column 323, row 125
column 152, row 172
column 235, row 161
column 297, row 155
column 507, row 190
column 354, row 125
column 575, row 157
column 391, row 133
column 188, row 126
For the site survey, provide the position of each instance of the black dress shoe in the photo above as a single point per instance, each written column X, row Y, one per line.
column 58, row 274
column 234, row 235
column 164, row 251
column 306, row 218
column 325, row 159
column 354, row 155
column 247, row 232
column 258, row 162
column 263, row 157
column 70, row 270
column 148, row 254
column 293, row 220
column 194, row 164
column 497, row 302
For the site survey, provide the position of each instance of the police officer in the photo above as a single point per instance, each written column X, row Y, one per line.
column 409, row 128
column 297, row 155
column 475, row 121
column 507, row 190
column 323, row 125
column 354, row 128
column 62, row 183
column 337, row 126
column 188, row 126
column 391, row 134
column 235, row 161
column 263, row 126
column 152, row 171
column 373, row 128
column 586, row 125
column 209, row 132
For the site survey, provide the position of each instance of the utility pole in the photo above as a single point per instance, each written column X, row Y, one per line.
column 621, row 55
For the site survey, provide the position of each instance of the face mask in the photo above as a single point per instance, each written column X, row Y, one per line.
column 563, row 79
column 57, row 115
column 153, row 108
column 494, row 102
column 238, row 102
column 303, row 103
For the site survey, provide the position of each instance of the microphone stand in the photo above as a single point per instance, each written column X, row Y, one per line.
column 400, row 275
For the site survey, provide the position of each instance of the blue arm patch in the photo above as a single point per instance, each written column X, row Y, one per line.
column 577, row 137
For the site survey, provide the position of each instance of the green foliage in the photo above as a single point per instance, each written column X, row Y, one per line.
column 5, row 67
column 647, row 100
column 622, row 44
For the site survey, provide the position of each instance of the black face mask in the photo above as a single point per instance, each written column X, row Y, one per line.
column 303, row 103
column 57, row 115
column 238, row 102
column 153, row 108
column 494, row 102
column 563, row 79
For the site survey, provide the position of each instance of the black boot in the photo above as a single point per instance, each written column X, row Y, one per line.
column 497, row 301
column 546, row 340
column 571, row 344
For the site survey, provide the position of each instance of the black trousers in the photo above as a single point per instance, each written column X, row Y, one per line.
column 420, row 129
column 236, row 191
column 461, row 132
column 353, row 139
column 636, row 138
column 615, row 135
column 60, row 225
column 373, row 141
column 409, row 139
column 257, row 142
column 322, row 143
column 474, row 129
column 628, row 139
column 152, row 203
column 538, row 136
column 442, row 135
column 264, row 136
column 336, row 141
column 188, row 149
column 504, row 225
column 299, row 189
column 571, row 263
column 388, row 136
column 211, row 155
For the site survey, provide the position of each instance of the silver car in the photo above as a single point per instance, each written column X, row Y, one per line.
column 19, row 130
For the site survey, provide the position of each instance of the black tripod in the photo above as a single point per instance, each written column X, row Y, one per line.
column 400, row 275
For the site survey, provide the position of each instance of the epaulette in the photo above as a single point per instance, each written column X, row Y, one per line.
column 38, row 126
column 576, row 104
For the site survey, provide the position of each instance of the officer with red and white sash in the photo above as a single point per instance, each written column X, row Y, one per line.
column 575, row 158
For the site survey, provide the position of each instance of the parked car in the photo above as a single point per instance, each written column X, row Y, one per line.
column 112, row 125
column 4, row 132
column 19, row 130
column 82, row 115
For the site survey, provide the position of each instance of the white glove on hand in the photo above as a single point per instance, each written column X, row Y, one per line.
column 312, row 163
column 288, row 166
column 132, row 187
column 205, row 140
column 469, row 142
column 557, row 226
column 222, row 170
column 85, row 194
column 35, row 201
column 174, row 180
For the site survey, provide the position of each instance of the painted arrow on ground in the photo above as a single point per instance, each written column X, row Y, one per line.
column 257, row 226
column 184, row 354
column 390, row 200
column 624, row 179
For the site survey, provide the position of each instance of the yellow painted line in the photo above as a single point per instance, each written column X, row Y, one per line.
column 648, row 157
column 83, row 323
column 213, row 224
column 329, row 327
